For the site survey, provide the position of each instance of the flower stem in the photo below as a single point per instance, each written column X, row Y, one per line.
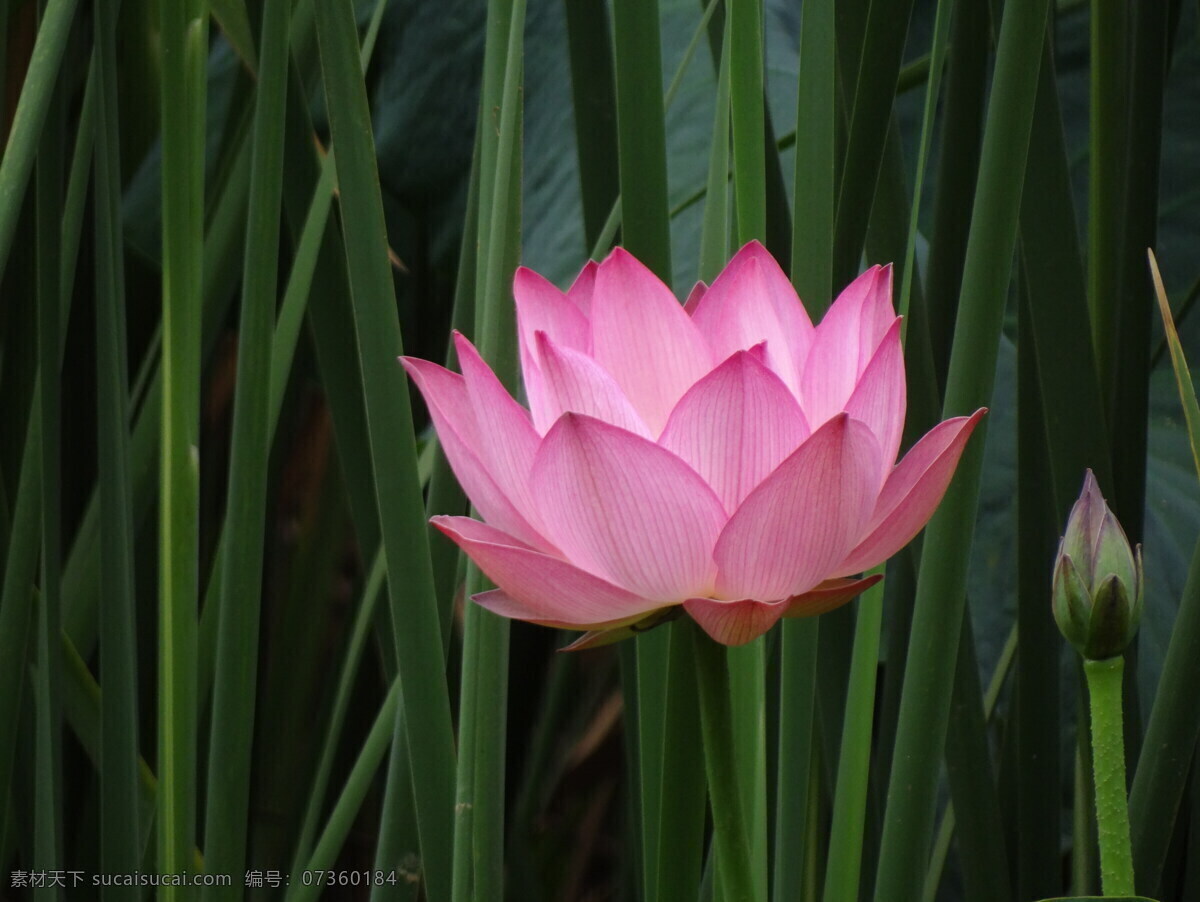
column 716, row 719
column 1108, row 761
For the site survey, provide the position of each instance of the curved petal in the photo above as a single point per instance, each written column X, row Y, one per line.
column 844, row 343
column 879, row 398
column 573, row 382
column 502, row 604
column 643, row 337
column 753, row 301
column 453, row 417
column 734, row 622
column 623, row 508
column 912, row 493
column 580, row 292
column 694, row 296
column 801, row 521
column 507, row 440
column 543, row 308
column 867, row 301
column 735, row 426
column 833, row 593
column 542, row 587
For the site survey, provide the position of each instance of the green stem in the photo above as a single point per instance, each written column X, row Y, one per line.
column 716, row 720
column 1108, row 761
column 850, row 798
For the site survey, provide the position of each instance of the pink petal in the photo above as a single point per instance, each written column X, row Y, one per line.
column 693, row 297
column 502, row 604
column 625, row 629
column 912, row 493
column 879, row 398
column 735, row 426
column 507, row 440
column 752, row 301
column 541, row 587
column 802, row 520
column 623, row 508
column 868, row 301
column 833, row 593
column 576, row 383
column 734, row 622
column 643, row 337
column 580, row 292
column 844, row 343
column 453, row 417
column 543, row 308
column 737, row 622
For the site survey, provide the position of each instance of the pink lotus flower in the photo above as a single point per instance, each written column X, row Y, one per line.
column 725, row 456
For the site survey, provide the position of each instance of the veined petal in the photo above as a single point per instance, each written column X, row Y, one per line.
column 844, row 343
column 502, row 604
column 580, row 292
column 833, row 593
column 801, row 521
column 734, row 622
column 453, row 416
column 752, row 301
column 507, row 440
column 643, row 337
column 735, row 426
column 541, row 587
column 543, row 308
column 623, row 508
column 867, row 301
column 879, row 398
column 576, row 383
column 912, row 493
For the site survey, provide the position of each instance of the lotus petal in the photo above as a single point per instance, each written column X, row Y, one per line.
column 752, row 301
column 844, row 343
column 643, row 337
column 543, row 308
column 879, row 398
column 453, row 416
column 911, row 493
column 573, row 382
column 541, row 586
column 508, row 440
column 735, row 426
column 580, row 292
column 626, row 509
column 833, row 593
column 734, row 622
column 803, row 518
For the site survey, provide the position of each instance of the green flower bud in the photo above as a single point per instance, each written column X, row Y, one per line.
column 1097, row 588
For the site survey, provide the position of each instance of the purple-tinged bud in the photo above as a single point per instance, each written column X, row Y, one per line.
column 1097, row 589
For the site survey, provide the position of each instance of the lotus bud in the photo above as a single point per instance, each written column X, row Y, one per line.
column 1097, row 579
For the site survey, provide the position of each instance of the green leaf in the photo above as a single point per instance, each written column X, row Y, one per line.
column 746, row 100
column 641, row 133
column 184, row 50
column 32, row 108
column 240, row 577
column 908, row 827
column 121, row 832
column 231, row 15
column 415, row 619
